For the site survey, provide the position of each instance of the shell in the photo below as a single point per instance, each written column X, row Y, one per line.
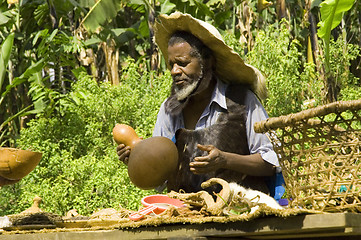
column 16, row 163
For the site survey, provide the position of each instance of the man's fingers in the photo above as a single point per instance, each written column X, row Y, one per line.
column 120, row 147
column 123, row 153
column 207, row 148
column 205, row 164
column 198, row 170
column 126, row 160
column 201, row 159
column 124, row 157
column 199, row 164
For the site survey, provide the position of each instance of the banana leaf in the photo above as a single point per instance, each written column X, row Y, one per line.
column 101, row 12
column 5, row 56
column 331, row 15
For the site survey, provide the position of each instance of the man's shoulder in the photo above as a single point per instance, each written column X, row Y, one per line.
column 238, row 92
column 231, row 87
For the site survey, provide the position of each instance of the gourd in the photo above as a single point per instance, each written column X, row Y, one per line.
column 151, row 161
column 16, row 163
column 124, row 134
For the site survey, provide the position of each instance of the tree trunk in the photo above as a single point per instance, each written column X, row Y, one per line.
column 329, row 91
column 111, row 60
column 153, row 46
column 52, row 13
column 281, row 9
column 245, row 19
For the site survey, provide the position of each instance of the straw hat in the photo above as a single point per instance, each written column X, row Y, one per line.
column 230, row 67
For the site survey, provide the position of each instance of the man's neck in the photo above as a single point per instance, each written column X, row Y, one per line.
column 196, row 105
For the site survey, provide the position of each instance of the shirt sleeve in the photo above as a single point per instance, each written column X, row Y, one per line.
column 258, row 142
column 163, row 126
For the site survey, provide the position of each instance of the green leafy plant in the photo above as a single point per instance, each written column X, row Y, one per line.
column 290, row 81
column 5, row 56
column 331, row 14
column 100, row 12
column 342, row 54
column 80, row 168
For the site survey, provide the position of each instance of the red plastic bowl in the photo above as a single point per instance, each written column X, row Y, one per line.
column 162, row 202
column 155, row 204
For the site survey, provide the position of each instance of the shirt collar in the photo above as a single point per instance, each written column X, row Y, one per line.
column 219, row 94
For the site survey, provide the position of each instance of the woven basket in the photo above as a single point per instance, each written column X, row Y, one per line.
column 319, row 151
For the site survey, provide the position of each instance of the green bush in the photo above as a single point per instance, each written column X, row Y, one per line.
column 341, row 56
column 290, row 81
column 80, row 168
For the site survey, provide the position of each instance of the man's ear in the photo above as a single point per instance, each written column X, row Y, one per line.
column 211, row 62
column 214, row 61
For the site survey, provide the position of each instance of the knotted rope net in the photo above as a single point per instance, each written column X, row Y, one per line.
column 320, row 154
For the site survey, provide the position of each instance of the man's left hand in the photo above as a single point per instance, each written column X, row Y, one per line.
column 212, row 162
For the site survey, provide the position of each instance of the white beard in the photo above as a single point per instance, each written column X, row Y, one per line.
column 184, row 92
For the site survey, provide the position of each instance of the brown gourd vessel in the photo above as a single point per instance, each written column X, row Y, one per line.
column 16, row 163
column 151, row 161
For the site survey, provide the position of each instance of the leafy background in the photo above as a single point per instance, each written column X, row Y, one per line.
column 79, row 168
column 69, row 73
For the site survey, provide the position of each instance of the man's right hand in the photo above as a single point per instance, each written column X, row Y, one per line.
column 123, row 153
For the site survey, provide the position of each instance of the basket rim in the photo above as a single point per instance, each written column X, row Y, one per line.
column 290, row 119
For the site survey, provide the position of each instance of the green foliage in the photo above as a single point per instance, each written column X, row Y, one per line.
column 289, row 80
column 80, row 168
column 38, row 71
column 351, row 92
column 342, row 54
column 331, row 15
column 5, row 56
column 231, row 40
column 101, row 12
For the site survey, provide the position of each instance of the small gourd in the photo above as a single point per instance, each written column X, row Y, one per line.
column 124, row 134
column 151, row 161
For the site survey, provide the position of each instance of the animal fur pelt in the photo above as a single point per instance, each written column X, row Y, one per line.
column 231, row 197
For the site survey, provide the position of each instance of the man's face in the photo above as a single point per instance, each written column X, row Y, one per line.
column 186, row 70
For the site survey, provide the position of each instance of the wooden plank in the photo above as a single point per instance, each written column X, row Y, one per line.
column 302, row 226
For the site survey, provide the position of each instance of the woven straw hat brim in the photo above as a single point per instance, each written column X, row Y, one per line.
column 230, row 67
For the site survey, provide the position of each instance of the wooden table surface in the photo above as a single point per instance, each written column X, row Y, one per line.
column 312, row 226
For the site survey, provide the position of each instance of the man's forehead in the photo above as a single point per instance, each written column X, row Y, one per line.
column 179, row 50
column 184, row 36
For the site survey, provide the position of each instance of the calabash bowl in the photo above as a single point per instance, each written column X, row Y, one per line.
column 152, row 161
column 16, row 163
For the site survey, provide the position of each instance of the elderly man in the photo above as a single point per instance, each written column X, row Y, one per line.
column 211, row 110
